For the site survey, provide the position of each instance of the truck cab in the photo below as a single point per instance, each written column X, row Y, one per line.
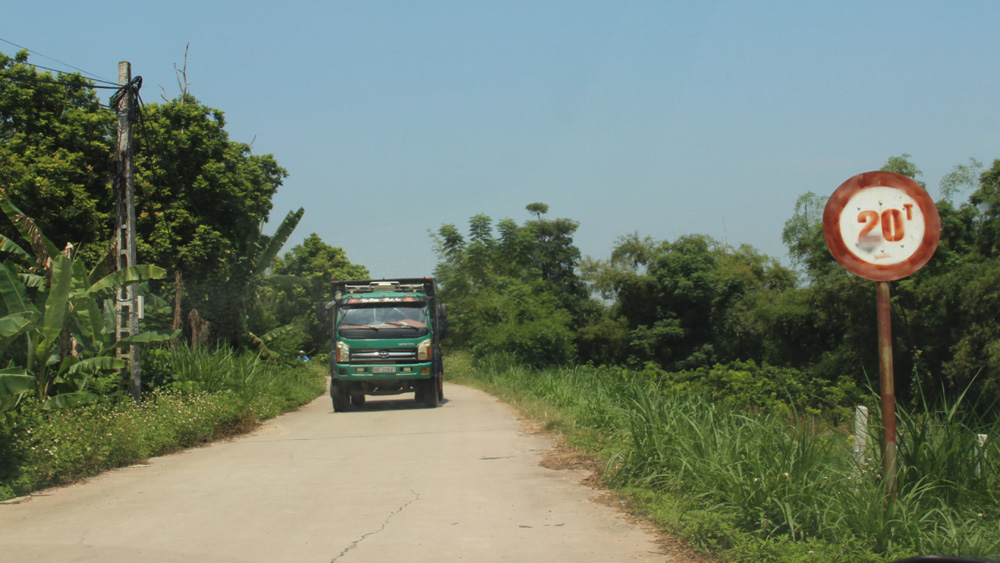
column 386, row 337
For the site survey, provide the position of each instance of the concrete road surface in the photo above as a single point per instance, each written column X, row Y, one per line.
column 387, row 482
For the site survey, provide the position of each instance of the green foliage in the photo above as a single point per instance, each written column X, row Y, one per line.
column 987, row 201
column 517, row 292
column 754, row 485
column 55, row 154
column 961, row 177
column 230, row 304
column 200, row 197
column 525, row 320
column 201, row 201
column 300, row 279
column 55, row 333
column 746, row 386
column 40, row 448
column 686, row 303
column 902, row 165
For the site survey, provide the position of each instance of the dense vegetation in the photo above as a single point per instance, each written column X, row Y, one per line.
column 717, row 384
column 202, row 396
column 221, row 330
column 755, row 484
column 693, row 303
column 715, row 380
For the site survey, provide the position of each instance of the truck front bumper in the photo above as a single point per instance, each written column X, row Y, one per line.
column 382, row 372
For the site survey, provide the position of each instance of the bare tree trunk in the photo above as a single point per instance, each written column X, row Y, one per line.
column 178, row 319
column 199, row 328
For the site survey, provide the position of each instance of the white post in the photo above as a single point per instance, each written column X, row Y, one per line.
column 860, row 434
column 980, row 452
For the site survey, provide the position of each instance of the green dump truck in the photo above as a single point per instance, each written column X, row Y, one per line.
column 386, row 340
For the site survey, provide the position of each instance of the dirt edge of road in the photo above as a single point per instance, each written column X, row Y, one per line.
column 563, row 457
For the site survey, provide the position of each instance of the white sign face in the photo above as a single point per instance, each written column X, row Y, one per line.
column 882, row 225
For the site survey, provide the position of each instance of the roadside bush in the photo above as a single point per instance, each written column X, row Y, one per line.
column 749, row 387
column 213, row 398
column 741, row 479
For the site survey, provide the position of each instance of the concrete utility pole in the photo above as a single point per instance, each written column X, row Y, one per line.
column 126, row 302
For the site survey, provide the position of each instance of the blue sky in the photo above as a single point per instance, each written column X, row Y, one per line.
column 661, row 118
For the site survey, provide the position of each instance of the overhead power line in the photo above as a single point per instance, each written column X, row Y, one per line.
column 89, row 75
column 53, row 82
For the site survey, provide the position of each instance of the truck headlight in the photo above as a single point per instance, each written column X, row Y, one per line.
column 343, row 353
column 424, row 351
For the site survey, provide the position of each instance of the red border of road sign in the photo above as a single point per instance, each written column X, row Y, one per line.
column 880, row 272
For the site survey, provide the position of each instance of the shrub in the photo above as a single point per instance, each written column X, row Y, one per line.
column 207, row 397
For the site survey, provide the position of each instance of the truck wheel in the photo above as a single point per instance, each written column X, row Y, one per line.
column 339, row 394
column 431, row 398
column 438, row 367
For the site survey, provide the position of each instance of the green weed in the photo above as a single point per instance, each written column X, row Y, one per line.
column 758, row 483
column 207, row 397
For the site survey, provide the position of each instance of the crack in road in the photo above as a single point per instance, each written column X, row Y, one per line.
column 353, row 544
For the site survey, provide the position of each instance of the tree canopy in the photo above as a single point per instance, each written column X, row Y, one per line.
column 201, row 198
column 55, row 154
column 301, row 279
column 513, row 288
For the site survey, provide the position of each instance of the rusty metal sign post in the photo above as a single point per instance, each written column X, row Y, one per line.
column 882, row 226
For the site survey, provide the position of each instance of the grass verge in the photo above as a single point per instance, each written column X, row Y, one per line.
column 756, row 486
column 205, row 397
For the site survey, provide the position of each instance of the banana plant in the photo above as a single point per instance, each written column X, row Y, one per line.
column 53, row 323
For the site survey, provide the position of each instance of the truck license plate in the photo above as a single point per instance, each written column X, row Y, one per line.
column 384, row 369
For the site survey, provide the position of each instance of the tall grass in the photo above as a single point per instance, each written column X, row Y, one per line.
column 201, row 396
column 750, row 483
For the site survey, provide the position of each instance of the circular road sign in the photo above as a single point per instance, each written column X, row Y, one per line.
column 881, row 226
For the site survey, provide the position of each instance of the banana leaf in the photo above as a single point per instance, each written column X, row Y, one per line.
column 57, row 303
column 129, row 275
column 275, row 333
column 12, row 326
column 32, row 280
column 149, row 337
column 97, row 363
column 266, row 256
column 7, row 245
column 15, row 383
column 88, row 327
column 13, row 293
column 43, row 247
column 66, row 400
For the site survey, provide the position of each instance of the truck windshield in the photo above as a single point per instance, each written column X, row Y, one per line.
column 388, row 320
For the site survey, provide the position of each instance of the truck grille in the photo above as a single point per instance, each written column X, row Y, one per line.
column 384, row 356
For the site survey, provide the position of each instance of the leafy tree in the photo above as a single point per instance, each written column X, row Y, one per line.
column 55, row 154
column 200, row 202
column 556, row 257
column 234, row 301
column 199, row 195
column 902, row 165
column 512, row 292
column 961, row 177
column 803, row 235
column 300, row 279
column 684, row 303
column 987, row 200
